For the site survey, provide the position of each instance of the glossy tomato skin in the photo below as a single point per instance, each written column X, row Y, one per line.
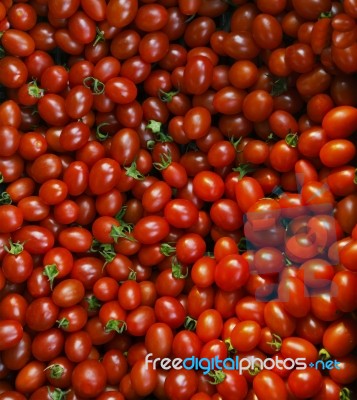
column 305, row 383
column 38, row 240
column 232, row 272
column 89, row 378
column 340, row 122
column 11, row 218
column 151, row 229
column 269, row 385
column 30, row 377
column 11, row 333
column 181, row 384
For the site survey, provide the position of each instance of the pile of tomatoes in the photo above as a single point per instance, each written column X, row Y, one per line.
column 178, row 177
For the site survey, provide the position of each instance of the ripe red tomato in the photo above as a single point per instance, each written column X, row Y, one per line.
column 89, row 378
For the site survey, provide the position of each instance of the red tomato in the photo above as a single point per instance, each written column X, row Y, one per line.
column 11, row 333
column 89, row 378
column 340, row 122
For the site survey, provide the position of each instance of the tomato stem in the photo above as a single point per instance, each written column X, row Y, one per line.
column 177, row 268
column 244, row 169
column 154, row 126
column 132, row 275
column 15, row 248
column 190, row 323
column 355, row 177
column 242, row 244
column 93, row 303
column 100, row 135
column 276, row 342
column 5, row 198
column 254, row 371
column 166, row 160
column 57, row 371
column 272, row 138
column 133, row 172
column 345, row 394
column 218, row 377
column 231, row 350
column 167, row 97
column 106, row 250
column 292, row 139
column 167, row 250
column 63, row 323
column 324, row 355
column 94, row 84
column 51, row 271
column 122, row 231
column 99, row 37
column 57, row 393
column 34, row 90
column 116, row 325
column 280, row 86
column 325, row 15
column 190, row 18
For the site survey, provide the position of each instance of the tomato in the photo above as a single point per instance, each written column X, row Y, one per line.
column 232, row 272
column 330, row 390
column 143, row 378
column 141, row 318
column 267, row 31
column 129, row 295
column 13, row 72
column 269, row 385
column 89, row 378
column 340, row 122
column 121, row 90
column 11, row 333
column 278, row 319
column 348, row 255
column 245, row 336
column 198, row 75
column 337, row 152
column 22, row 16
column 247, row 192
column 170, row 311
column 347, row 371
column 11, row 218
column 305, row 383
column 126, row 10
column 189, row 248
column 258, row 105
column 342, row 331
column 36, row 239
column 240, row 45
column 181, row 384
column 68, row 292
column 51, row 108
column 344, row 284
column 30, row 377
column 233, row 386
column 296, row 347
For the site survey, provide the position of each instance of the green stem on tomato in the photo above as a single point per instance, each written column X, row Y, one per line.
column 217, row 376
column 116, row 325
column 190, row 323
column 94, row 84
column 57, row 371
column 51, row 271
column 276, row 342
